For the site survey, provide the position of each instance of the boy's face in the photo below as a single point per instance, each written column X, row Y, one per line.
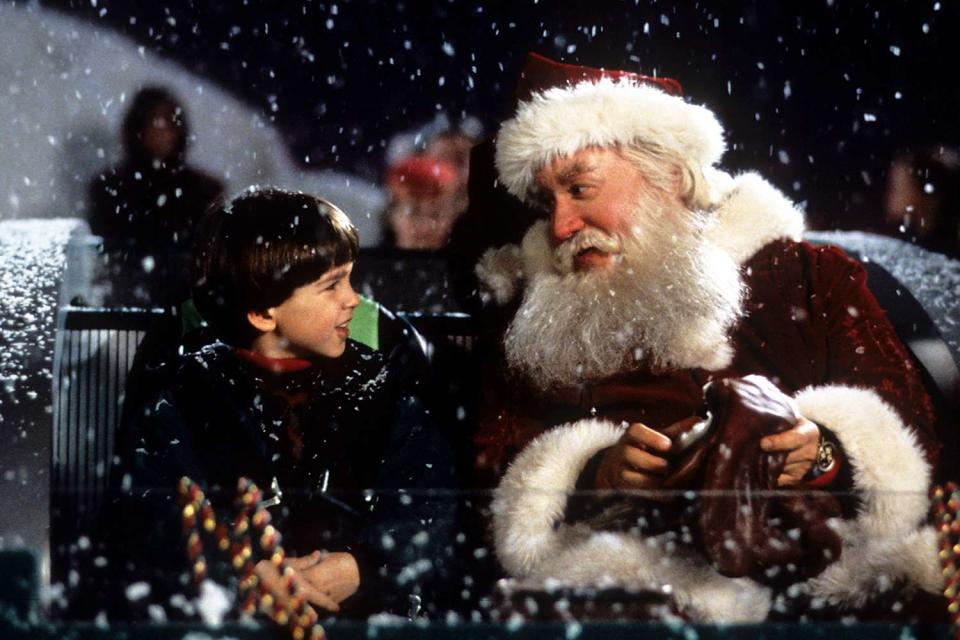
column 313, row 320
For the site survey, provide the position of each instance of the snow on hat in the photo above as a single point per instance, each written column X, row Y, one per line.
column 564, row 108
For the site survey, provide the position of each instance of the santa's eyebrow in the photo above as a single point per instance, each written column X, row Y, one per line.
column 573, row 172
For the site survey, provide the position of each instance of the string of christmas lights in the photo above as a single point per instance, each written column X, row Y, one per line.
column 252, row 522
column 946, row 504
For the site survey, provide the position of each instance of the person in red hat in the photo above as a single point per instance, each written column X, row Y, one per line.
column 423, row 202
column 650, row 274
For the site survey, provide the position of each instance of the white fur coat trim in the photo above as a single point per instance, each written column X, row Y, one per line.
column 750, row 214
column 887, row 540
column 604, row 113
column 532, row 497
column 534, row 547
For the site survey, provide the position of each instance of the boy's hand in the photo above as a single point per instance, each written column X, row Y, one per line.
column 336, row 575
column 273, row 582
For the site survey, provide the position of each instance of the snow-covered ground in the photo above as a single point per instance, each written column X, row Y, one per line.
column 65, row 86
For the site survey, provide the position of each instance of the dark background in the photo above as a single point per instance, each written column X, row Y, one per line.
column 816, row 95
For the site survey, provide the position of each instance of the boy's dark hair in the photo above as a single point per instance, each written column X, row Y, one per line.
column 252, row 253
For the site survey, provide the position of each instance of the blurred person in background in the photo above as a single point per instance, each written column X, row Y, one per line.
column 422, row 206
column 428, row 192
column 922, row 198
column 146, row 208
column 454, row 146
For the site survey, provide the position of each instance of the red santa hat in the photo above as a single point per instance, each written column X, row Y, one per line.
column 421, row 176
column 564, row 108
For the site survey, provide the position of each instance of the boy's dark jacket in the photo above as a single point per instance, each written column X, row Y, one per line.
column 345, row 440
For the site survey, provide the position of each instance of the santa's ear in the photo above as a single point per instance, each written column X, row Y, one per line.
column 263, row 320
column 678, row 180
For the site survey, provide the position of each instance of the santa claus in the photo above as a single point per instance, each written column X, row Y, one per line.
column 652, row 274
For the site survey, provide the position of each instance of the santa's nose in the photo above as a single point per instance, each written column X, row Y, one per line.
column 564, row 220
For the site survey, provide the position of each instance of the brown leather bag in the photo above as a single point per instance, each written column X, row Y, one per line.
column 744, row 525
column 747, row 526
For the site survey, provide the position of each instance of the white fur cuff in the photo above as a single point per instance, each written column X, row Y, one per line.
column 887, row 542
column 532, row 496
column 888, row 463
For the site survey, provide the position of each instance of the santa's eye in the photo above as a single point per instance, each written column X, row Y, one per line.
column 578, row 190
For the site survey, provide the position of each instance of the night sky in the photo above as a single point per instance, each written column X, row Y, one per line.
column 816, row 95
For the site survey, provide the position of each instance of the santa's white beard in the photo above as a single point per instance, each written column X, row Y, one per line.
column 668, row 303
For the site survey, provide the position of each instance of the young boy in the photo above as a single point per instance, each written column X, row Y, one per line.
column 284, row 397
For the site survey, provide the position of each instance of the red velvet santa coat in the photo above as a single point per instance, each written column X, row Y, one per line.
column 812, row 327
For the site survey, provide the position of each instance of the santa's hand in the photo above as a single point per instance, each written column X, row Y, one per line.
column 635, row 462
column 800, row 443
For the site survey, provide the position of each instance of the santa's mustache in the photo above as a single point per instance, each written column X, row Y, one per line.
column 586, row 238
